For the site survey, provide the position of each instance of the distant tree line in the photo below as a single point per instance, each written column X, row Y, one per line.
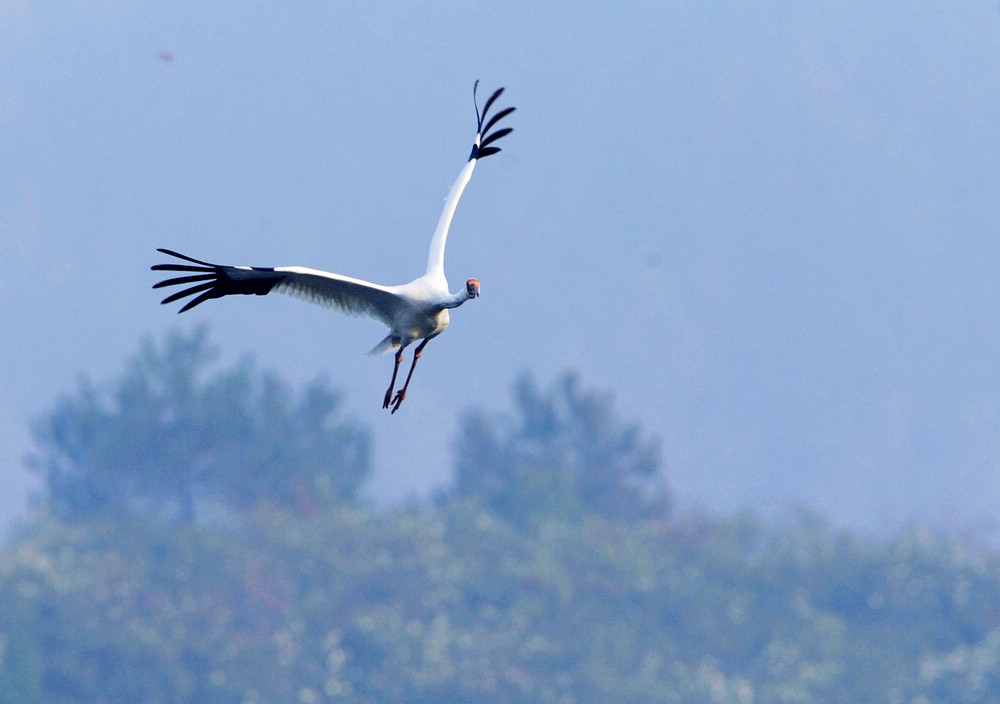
column 202, row 540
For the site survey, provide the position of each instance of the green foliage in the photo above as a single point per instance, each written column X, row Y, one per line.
column 173, row 439
column 454, row 605
column 563, row 454
column 312, row 598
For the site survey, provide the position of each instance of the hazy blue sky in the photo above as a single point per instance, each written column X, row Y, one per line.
column 770, row 228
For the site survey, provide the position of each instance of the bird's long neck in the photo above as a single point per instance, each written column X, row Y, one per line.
column 454, row 300
column 435, row 258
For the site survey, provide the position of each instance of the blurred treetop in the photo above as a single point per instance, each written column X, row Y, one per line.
column 175, row 437
column 562, row 453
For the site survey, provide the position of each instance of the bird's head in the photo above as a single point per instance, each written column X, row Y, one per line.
column 472, row 288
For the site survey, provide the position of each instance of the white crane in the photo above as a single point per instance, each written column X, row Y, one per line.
column 414, row 311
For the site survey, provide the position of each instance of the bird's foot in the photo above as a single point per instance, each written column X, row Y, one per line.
column 388, row 397
column 400, row 395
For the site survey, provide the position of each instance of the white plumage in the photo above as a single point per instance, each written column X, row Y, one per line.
column 414, row 311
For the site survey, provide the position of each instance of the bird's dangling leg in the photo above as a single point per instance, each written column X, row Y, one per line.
column 401, row 394
column 395, row 370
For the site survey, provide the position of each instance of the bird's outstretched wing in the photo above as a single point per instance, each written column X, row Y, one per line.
column 481, row 148
column 342, row 293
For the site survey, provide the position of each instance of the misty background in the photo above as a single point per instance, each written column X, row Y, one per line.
column 769, row 230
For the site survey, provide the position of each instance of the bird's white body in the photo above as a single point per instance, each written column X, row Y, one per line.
column 414, row 311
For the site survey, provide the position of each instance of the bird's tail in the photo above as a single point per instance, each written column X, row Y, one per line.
column 389, row 344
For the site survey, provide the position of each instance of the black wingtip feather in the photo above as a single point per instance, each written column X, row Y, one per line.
column 496, row 118
column 188, row 292
column 185, row 280
column 491, row 100
column 200, row 299
column 185, row 257
column 495, row 136
column 181, row 267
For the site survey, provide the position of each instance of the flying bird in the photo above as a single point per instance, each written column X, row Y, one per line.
column 414, row 311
